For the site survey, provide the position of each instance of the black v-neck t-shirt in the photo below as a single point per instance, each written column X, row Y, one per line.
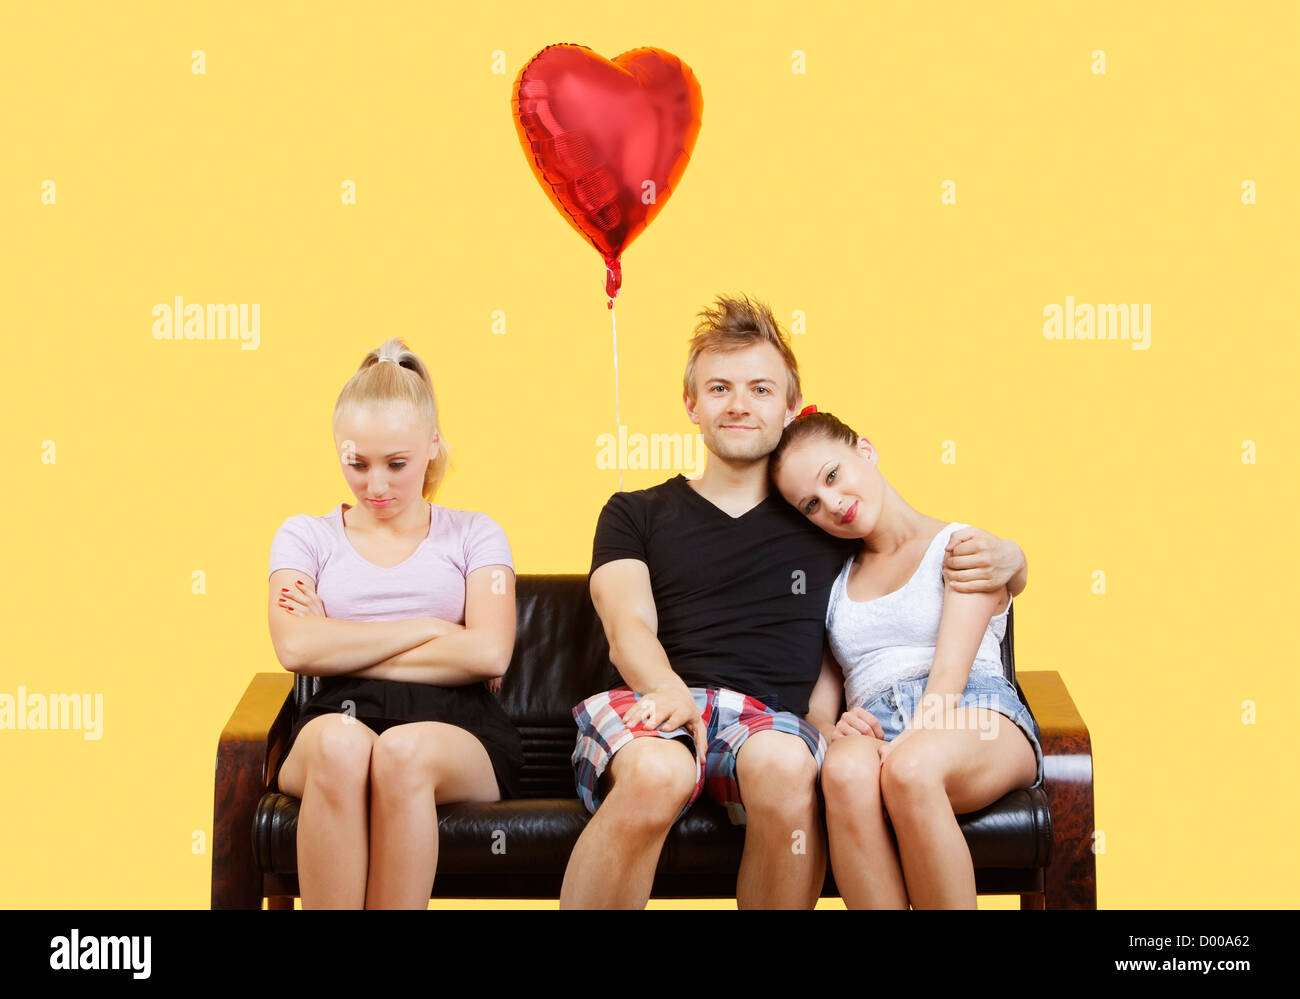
column 741, row 601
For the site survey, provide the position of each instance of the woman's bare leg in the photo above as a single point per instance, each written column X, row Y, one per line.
column 415, row 767
column 863, row 855
column 328, row 768
column 938, row 774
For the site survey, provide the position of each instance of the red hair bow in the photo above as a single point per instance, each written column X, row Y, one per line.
column 806, row 410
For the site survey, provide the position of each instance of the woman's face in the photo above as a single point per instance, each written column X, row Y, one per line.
column 837, row 487
column 384, row 451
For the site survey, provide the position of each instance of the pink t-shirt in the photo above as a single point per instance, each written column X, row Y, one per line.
column 430, row 583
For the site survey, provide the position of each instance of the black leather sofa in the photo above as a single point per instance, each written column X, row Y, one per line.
column 1035, row 843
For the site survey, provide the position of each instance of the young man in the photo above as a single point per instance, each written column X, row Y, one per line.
column 713, row 596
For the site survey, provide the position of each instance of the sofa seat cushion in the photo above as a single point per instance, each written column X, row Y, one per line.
column 532, row 838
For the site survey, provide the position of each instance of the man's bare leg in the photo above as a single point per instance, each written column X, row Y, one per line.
column 784, row 863
column 613, row 863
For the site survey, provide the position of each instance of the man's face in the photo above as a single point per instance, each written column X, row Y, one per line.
column 740, row 402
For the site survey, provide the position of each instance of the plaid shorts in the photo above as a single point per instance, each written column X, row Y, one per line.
column 729, row 719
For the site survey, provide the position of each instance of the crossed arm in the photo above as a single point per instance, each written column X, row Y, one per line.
column 431, row 650
column 415, row 650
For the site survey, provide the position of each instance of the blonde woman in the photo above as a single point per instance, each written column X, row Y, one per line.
column 406, row 611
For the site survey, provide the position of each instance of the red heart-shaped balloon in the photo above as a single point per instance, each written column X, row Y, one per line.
column 608, row 141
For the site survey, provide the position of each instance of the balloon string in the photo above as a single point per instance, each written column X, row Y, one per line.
column 617, row 423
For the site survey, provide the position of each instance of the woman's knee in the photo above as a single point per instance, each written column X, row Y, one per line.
column 340, row 764
column 403, row 758
column 851, row 770
column 912, row 777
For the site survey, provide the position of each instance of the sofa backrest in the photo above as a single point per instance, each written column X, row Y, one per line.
column 561, row 657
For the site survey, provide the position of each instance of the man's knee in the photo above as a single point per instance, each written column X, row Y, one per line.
column 776, row 773
column 651, row 780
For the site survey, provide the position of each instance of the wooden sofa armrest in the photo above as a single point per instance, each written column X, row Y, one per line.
column 1071, row 878
column 260, row 723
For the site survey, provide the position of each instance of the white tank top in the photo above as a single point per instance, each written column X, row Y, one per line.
column 893, row 637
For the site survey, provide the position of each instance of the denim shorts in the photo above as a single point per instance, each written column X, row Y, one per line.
column 895, row 707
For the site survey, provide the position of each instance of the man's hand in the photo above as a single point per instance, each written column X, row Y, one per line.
column 667, row 708
column 977, row 562
column 859, row 721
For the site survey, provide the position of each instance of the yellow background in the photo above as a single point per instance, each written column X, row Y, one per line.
column 817, row 192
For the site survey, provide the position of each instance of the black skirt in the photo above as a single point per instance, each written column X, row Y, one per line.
column 380, row 704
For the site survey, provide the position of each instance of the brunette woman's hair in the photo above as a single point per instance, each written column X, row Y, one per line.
column 814, row 426
column 405, row 382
